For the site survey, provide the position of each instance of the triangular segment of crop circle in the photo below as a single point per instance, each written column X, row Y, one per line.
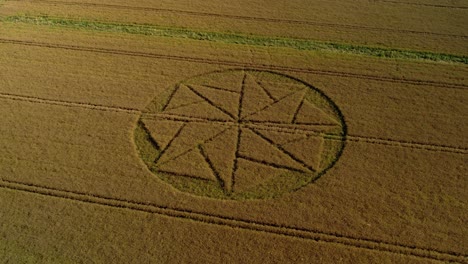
column 227, row 101
column 202, row 110
column 191, row 135
column 279, row 90
column 221, row 153
column 282, row 111
column 191, row 164
column 254, row 97
column 280, row 138
column 182, row 96
column 309, row 114
column 256, row 148
column 162, row 131
column 307, row 150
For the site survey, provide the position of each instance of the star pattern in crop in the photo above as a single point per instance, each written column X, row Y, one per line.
column 238, row 131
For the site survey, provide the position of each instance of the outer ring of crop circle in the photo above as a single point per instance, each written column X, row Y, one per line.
column 330, row 102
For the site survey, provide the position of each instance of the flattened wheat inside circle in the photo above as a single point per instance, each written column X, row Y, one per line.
column 240, row 134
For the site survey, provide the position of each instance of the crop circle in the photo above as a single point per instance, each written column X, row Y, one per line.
column 240, row 134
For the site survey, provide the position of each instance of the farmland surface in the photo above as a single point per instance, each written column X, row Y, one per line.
column 215, row 132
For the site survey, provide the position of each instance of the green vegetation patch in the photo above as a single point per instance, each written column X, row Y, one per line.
column 235, row 38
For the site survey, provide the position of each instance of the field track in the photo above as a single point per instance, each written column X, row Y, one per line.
column 369, row 140
column 423, row 4
column 239, row 223
column 325, row 28
column 248, row 18
column 236, row 64
column 106, row 105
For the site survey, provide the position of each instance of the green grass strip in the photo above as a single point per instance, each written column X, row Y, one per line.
column 233, row 38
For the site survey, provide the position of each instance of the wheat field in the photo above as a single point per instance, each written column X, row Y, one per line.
column 245, row 132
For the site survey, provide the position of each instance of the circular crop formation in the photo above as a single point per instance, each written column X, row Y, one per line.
column 240, row 134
